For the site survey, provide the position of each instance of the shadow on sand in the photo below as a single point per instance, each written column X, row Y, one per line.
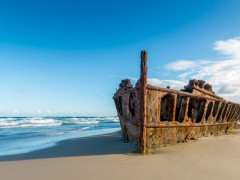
column 87, row 146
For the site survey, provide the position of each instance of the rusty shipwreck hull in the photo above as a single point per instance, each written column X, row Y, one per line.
column 152, row 117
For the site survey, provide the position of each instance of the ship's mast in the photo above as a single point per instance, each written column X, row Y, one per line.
column 143, row 95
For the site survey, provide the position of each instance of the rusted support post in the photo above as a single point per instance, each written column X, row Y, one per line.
column 174, row 108
column 225, row 112
column 236, row 113
column 237, row 117
column 221, row 114
column 143, row 97
column 204, row 120
column 216, row 115
column 228, row 112
column 185, row 119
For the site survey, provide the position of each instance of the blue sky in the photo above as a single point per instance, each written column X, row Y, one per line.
column 66, row 58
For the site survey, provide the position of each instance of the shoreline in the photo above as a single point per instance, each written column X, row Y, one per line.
column 107, row 157
column 52, row 143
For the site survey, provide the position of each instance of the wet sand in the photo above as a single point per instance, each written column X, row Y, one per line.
column 107, row 157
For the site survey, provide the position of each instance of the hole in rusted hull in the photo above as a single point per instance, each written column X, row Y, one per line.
column 178, row 107
column 167, row 107
column 200, row 112
column 120, row 106
column 181, row 108
column 232, row 113
column 236, row 113
column 132, row 103
column 225, row 111
column 193, row 108
column 209, row 110
column 215, row 108
column 220, row 111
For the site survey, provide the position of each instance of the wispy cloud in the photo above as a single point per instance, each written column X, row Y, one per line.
column 49, row 111
column 39, row 111
column 224, row 74
column 164, row 83
column 14, row 111
column 229, row 47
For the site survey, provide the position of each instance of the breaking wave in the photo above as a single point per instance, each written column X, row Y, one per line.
column 42, row 122
column 24, row 134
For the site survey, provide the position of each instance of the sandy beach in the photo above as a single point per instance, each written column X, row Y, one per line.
column 107, row 157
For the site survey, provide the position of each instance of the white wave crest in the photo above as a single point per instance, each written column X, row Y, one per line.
column 28, row 122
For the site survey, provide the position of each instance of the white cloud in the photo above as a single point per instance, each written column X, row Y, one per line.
column 229, row 47
column 14, row 111
column 49, row 111
column 164, row 83
column 39, row 111
column 224, row 75
column 181, row 65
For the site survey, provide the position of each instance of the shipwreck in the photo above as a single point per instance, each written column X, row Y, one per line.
column 152, row 117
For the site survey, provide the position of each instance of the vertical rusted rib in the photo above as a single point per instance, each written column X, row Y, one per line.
column 143, row 96
column 220, row 114
column 236, row 111
column 219, row 106
column 225, row 112
column 204, row 120
column 229, row 112
column 186, row 111
column 233, row 112
column 237, row 114
column 159, row 109
column 174, row 108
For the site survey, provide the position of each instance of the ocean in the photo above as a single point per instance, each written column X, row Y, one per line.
column 25, row 134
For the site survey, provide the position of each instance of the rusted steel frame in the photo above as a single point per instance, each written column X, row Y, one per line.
column 174, row 108
column 230, row 113
column 234, row 112
column 150, row 87
column 185, row 119
column 204, row 120
column 125, row 92
column 213, row 95
column 130, row 121
column 116, row 104
column 210, row 118
column 228, row 107
column 143, row 102
column 219, row 106
column 192, row 125
column 238, row 114
column 159, row 109
column 220, row 116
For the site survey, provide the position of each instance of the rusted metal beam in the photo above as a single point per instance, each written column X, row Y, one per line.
column 187, row 125
column 213, row 95
column 186, row 110
column 143, row 97
column 174, row 108
column 204, row 120
column 218, row 109
column 226, row 111
column 150, row 87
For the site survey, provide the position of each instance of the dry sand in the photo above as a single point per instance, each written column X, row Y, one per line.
column 106, row 157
